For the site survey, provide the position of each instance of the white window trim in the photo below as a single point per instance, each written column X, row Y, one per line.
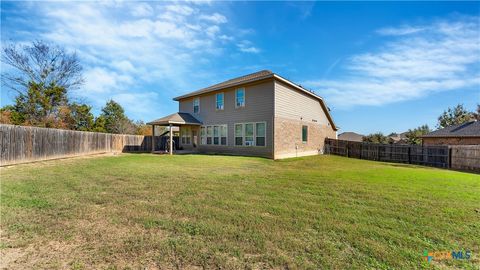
column 219, row 137
column 254, row 134
column 244, row 98
column 197, row 98
column 223, row 101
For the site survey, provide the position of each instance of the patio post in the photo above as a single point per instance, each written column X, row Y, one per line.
column 171, row 140
column 153, row 138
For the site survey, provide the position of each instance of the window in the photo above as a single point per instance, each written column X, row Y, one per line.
column 260, row 134
column 209, row 134
column 203, row 137
column 223, row 135
column 219, row 101
column 196, row 105
column 250, row 134
column 215, row 135
column 238, row 134
column 304, row 133
column 240, row 98
column 185, row 135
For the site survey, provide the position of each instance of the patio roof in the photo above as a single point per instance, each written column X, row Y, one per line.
column 176, row 119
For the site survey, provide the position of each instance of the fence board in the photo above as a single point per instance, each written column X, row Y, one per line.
column 435, row 156
column 465, row 157
column 21, row 144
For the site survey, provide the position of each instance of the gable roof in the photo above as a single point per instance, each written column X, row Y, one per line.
column 229, row 83
column 176, row 118
column 468, row 129
column 257, row 76
column 350, row 136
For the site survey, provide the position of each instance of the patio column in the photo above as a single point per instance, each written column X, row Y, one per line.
column 171, row 140
column 153, row 138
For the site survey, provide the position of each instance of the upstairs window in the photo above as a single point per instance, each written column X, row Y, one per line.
column 240, row 98
column 196, row 105
column 304, row 134
column 219, row 101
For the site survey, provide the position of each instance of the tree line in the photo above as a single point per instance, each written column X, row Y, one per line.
column 43, row 77
column 452, row 116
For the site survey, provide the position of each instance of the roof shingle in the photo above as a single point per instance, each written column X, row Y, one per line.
column 257, row 76
column 468, row 129
column 239, row 80
column 176, row 118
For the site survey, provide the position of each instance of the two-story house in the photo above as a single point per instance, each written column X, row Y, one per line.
column 260, row 114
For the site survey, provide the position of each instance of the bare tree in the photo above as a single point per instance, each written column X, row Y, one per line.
column 40, row 63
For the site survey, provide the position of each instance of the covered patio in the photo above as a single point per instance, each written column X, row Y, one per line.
column 185, row 121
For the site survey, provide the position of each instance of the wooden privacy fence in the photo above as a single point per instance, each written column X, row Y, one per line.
column 21, row 144
column 465, row 157
column 435, row 156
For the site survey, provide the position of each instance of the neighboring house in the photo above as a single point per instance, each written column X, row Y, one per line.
column 260, row 114
column 463, row 134
column 399, row 138
column 350, row 136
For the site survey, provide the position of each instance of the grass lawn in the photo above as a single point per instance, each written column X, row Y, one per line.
column 197, row 211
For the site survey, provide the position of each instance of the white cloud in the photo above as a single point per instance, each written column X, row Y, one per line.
column 442, row 56
column 214, row 18
column 176, row 13
column 247, row 47
column 180, row 9
column 124, row 66
column 212, row 30
column 226, row 38
column 123, row 56
column 138, row 103
column 400, row 31
column 142, row 10
column 101, row 80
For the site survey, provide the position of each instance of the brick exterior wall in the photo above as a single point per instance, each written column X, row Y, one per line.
column 452, row 141
column 288, row 138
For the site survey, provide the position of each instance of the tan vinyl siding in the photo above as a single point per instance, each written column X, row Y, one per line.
column 294, row 104
column 259, row 107
column 293, row 110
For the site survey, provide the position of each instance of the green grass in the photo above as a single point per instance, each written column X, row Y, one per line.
column 194, row 211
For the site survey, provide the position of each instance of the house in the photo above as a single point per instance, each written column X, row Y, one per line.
column 351, row 136
column 260, row 114
column 399, row 138
column 463, row 134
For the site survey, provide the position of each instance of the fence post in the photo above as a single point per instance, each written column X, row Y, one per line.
column 449, row 158
column 409, row 155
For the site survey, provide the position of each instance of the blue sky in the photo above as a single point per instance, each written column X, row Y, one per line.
column 380, row 66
